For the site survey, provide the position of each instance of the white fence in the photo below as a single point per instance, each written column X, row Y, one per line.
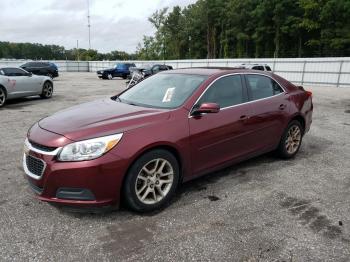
column 302, row 71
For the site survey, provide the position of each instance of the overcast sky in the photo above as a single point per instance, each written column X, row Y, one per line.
column 115, row 24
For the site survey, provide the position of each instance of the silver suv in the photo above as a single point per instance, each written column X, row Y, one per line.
column 261, row 67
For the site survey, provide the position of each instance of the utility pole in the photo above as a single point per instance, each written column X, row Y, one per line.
column 189, row 46
column 78, row 49
column 89, row 25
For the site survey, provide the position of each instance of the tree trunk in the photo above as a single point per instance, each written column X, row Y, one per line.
column 300, row 47
column 277, row 40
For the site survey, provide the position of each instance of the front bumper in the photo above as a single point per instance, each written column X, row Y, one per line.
column 90, row 184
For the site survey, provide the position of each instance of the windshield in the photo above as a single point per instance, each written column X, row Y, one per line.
column 163, row 90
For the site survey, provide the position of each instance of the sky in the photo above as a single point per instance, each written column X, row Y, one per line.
column 115, row 24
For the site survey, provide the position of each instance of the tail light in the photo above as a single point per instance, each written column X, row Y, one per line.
column 309, row 93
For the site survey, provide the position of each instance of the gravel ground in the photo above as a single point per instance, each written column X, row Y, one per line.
column 263, row 209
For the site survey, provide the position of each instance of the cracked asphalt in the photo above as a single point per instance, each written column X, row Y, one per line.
column 263, row 209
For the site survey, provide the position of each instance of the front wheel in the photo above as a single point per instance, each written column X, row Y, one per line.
column 2, row 96
column 291, row 140
column 151, row 181
column 110, row 76
column 47, row 90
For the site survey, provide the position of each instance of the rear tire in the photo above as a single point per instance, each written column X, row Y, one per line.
column 151, row 181
column 291, row 140
column 124, row 76
column 3, row 96
column 47, row 90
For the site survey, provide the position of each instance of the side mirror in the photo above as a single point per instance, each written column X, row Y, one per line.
column 206, row 108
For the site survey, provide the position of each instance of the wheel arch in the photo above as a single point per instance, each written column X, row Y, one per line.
column 3, row 87
column 300, row 119
column 172, row 149
column 48, row 80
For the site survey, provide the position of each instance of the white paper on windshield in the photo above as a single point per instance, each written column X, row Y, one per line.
column 168, row 95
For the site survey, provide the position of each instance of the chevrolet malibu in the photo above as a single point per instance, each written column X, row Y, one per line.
column 138, row 146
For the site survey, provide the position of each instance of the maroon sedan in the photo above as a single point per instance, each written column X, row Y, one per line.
column 140, row 145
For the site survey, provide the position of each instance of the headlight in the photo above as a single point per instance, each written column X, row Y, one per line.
column 89, row 149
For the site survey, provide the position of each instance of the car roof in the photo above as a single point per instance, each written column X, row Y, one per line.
column 255, row 64
column 221, row 71
column 211, row 71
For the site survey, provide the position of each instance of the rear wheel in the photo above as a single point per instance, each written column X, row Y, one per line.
column 3, row 96
column 124, row 76
column 151, row 181
column 291, row 140
column 47, row 90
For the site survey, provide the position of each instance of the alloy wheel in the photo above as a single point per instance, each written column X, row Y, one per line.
column 109, row 76
column 293, row 139
column 154, row 181
column 2, row 97
column 48, row 90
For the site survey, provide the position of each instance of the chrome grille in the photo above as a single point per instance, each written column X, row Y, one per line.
column 35, row 165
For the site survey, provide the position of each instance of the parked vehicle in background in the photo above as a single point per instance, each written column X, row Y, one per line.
column 119, row 70
column 148, row 70
column 177, row 125
column 41, row 68
column 140, row 73
column 261, row 67
column 16, row 83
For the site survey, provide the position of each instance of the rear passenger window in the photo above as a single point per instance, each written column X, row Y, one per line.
column 268, row 68
column 262, row 86
column 226, row 91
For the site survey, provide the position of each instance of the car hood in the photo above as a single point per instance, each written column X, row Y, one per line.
column 101, row 118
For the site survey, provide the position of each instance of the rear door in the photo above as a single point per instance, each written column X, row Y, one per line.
column 220, row 137
column 269, row 110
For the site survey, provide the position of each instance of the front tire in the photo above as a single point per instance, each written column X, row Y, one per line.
column 3, row 96
column 151, row 181
column 291, row 140
column 47, row 90
column 109, row 76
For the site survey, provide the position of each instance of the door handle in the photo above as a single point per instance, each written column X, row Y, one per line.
column 282, row 106
column 243, row 117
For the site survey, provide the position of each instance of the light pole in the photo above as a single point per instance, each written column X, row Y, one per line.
column 189, row 45
column 89, row 25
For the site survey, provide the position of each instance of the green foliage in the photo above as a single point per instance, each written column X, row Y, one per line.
column 55, row 52
column 226, row 29
column 250, row 28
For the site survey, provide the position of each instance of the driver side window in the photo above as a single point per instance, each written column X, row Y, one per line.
column 226, row 91
column 14, row 72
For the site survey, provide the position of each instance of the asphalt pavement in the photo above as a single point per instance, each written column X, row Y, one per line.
column 264, row 209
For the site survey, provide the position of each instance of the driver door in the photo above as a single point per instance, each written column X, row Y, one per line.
column 218, row 138
column 20, row 82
